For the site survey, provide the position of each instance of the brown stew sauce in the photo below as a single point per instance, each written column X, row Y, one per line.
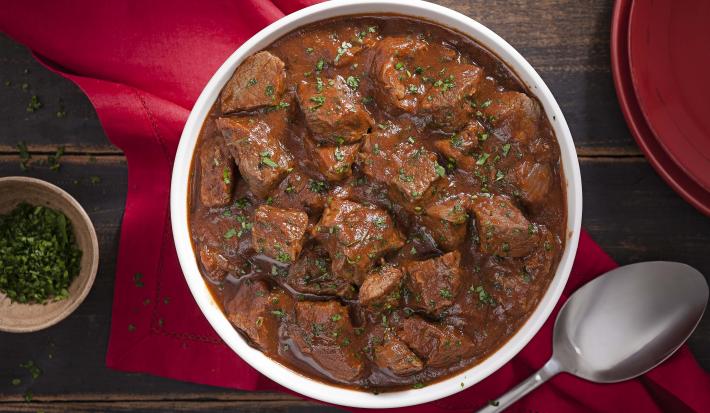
column 377, row 202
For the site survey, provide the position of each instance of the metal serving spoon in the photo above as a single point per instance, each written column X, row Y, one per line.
column 621, row 325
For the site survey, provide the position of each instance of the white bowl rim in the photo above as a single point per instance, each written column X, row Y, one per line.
column 288, row 377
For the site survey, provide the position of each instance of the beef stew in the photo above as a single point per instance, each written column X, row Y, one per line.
column 377, row 202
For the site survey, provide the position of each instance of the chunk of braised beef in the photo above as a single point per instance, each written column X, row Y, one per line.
column 216, row 173
column 516, row 289
column 258, row 81
column 298, row 191
column 334, row 112
column 390, row 59
column 312, row 274
column 279, row 233
column 381, row 289
column 355, row 236
column 395, row 356
column 323, row 332
column 438, row 345
column 340, row 47
column 534, row 181
column 476, row 316
column 447, row 100
column 459, row 147
column 539, row 263
column 514, row 115
column 334, row 161
column 256, row 145
column 435, row 283
column 257, row 311
column 406, row 166
column 446, row 235
column 450, row 207
column 218, row 245
column 503, row 230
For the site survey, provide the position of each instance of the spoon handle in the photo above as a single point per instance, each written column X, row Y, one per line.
column 549, row 370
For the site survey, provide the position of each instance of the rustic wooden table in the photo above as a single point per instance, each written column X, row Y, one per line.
column 628, row 209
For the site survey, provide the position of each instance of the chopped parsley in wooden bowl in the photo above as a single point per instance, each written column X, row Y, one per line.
column 39, row 257
column 48, row 254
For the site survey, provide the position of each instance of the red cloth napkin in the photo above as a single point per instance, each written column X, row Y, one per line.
column 143, row 64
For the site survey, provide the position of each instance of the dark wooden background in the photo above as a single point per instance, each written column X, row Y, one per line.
column 628, row 209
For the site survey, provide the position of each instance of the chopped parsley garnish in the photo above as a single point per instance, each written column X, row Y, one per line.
column 278, row 313
column 309, row 50
column 266, row 160
column 34, row 104
column 40, row 257
column 138, row 280
column 241, row 203
column 226, row 174
column 319, row 85
column 499, row 175
column 486, row 104
column 319, row 65
column 456, row 141
column 280, row 105
column 440, row 170
column 404, row 177
column 482, row 136
column 339, row 155
column 483, row 296
column 505, row 247
column 318, row 102
column 445, row 293
column 380, row 222
column 32, row 368
column 336, row 317
column 269, row 90
column 317, row 186
column 445, row 84
column 506, row 149
column 353, row 82
column 245, row 225
column 53, row 160
column 342, row 50
column 283, row 257
column 230, row 233
column 251, row 82
column 24, row 156
column 399, row 66
column 482, row 159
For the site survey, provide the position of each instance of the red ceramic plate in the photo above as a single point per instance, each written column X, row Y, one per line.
column 669, row 56
column 655, row 152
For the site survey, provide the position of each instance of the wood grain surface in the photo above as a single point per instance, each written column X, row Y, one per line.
column 628, row 209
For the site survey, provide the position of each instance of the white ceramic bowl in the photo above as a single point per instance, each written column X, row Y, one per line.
column 287, row 377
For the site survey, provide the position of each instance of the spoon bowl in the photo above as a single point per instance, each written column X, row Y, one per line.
column 626, row 322
column 621, row 325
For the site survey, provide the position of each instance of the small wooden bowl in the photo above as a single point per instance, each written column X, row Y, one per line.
column 23, row 318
